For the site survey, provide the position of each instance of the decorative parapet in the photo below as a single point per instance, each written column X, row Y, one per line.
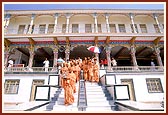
column 84, row 11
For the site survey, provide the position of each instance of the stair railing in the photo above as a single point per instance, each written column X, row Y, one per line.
column 82, row 99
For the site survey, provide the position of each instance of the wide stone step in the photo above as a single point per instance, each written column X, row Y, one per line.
column 94, row 93
column 64, row 108
column 95, row 96
column 99, row 108
column 98, row 103
column 92, row 85
column 93, row 89
column 96, row 100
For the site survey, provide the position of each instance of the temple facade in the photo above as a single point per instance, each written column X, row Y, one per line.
column 132, row 37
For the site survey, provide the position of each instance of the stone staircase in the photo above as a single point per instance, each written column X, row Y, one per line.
column 59, row 104
column 97, row 99
column 53, row 100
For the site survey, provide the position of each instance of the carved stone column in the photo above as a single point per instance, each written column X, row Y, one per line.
column 157, row 22
column 67, row 24
column 157, row 53
column 107, row 23
column 133, row 55
column 95, row 22
column 7, row 20
column 56, row 22
column 132, row 21
column 6, row 56
column 31, row 23
column 31, row 52
column 108, row 50
column 55, row 57
column 67, row 52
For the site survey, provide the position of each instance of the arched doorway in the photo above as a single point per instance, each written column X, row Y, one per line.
column 144, row 55
column 20, row 55
column 41, row 54
column 122, row 55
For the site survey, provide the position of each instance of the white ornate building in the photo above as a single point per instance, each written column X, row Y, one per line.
column 132, row 37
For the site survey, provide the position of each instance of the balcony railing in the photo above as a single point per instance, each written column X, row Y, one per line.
column 62, row 30
column 80, row 32
column 113, row 69
column 51, row 30
column 137, row 69
column 27, row 69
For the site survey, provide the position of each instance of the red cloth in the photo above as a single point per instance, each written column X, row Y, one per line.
column 105, row 61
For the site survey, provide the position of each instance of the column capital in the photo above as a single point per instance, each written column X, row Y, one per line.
column 133, row 50
column 31, row 50
column 7, row 16
column 67, row 50
column 131, row 15
column 108, row 48
column 56, row 15
column 55, row 49
column 107, row 15
column 7, row 52
column 157, row 50
column 68, row 15
column 94, row 15
column 155, row 15
column 55, row 52
column 33, row 16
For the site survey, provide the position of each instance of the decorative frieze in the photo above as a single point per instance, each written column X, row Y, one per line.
column 75, row 11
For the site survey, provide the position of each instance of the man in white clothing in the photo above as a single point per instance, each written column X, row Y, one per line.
column 114, row 62
column 46, row 64
column 10, row 64
column 152, row 65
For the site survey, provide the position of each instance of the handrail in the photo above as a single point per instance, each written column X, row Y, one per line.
column 82, row 99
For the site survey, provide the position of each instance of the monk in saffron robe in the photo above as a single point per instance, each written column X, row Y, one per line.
column 90, row 71
column 64, row 71
column 72, row 75
column 68, row 90
column 77, row 71
column 85, row 70
column 95, row 72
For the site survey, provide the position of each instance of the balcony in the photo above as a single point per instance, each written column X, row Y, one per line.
column 81, row 32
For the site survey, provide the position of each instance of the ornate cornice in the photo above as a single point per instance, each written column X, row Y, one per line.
column 83, row 11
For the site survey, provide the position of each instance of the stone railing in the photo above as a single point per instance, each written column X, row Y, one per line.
column 137, row 69
column 113, row 69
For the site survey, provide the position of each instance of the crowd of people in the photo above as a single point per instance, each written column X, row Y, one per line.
column 70, row 75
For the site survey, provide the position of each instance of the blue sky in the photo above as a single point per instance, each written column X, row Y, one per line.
column 102, row 5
